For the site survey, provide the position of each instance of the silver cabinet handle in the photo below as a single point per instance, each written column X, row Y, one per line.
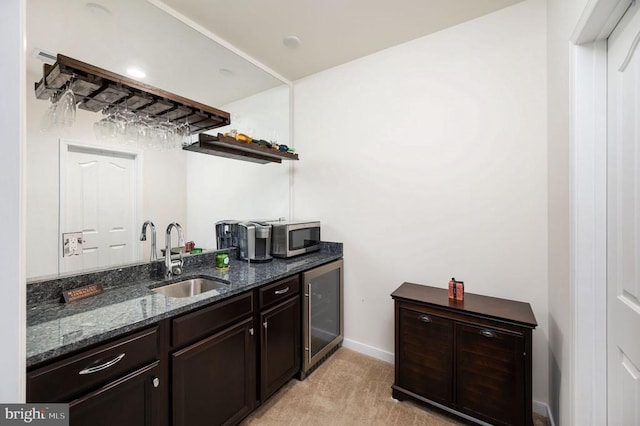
column 282, row 291
column 424, row 318
column 91, row 370
column 487, row 333
column 265, row 324
column 251, row 331
column 156, row 382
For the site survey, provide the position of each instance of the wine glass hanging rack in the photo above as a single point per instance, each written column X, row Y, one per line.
column 97, row 89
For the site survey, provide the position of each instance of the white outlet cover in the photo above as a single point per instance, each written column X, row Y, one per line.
column 72, row 244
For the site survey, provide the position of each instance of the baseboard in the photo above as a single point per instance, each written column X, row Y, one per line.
column 539, row 408
column 369, row 350
column 543, row 409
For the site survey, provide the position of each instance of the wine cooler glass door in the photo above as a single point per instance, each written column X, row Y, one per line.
column 324, row 311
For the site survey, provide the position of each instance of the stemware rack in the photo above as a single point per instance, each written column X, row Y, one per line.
column 96, row 89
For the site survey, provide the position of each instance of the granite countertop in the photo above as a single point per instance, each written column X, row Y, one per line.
column 55, row 329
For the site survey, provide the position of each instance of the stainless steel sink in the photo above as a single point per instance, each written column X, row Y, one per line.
column 191, row 287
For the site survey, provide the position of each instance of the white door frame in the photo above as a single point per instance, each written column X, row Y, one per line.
column 64, row 146
column 588, row 203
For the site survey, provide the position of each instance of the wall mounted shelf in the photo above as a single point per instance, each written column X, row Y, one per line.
column 96, row 89
column 228, row 147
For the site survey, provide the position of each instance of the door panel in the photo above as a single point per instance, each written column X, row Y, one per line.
column 213, row 380
column 131, row 401
column 623, row 232
column 490, row 367
column 98, row 198
column 280, row 353
column 426, row 361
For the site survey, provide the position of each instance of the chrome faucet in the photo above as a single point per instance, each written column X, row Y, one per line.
column 143, row 237
column 173, row 267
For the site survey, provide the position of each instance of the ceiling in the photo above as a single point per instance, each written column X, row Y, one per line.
column 232, row 49
column 331, row 32
column 118, row 34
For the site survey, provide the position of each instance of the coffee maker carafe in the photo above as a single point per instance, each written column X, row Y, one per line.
column 254, row 241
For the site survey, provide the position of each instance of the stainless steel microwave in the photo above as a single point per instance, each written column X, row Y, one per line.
column 291, row 238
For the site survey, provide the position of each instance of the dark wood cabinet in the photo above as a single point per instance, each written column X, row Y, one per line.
column 213, row 363
column 214, row 379
column 470, row 357
column 203, row 367
column 280, row 334
column 120, row 382
column 280, row 354
column 490, row 365
column 280, row 342
column 426, row 355
column 133, row 400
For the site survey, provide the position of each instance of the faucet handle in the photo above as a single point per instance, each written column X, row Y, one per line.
column 176, row 270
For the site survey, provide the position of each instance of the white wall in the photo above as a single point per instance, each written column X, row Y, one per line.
column 12, row 302
column 562, row 18
column 220, row 188
column 164, row 180
column 429, row 160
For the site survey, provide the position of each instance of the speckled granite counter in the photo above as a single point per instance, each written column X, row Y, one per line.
column 55, row 329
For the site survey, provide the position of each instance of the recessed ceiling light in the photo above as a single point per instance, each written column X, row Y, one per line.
column 291, row 41
column 136, row 72
column 98, row 9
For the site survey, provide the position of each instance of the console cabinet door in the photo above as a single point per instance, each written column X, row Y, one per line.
column 280, row 346
column 490, row 374
column 214, row 378
column 133, row 400
column 425, row 355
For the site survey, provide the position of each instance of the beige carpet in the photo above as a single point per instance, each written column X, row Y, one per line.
column 348, row 389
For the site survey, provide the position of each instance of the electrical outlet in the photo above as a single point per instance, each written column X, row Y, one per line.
column 72, row 244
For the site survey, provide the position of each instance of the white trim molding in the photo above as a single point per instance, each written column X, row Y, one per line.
column 589, row 233
column 542, row 409
column 589, row 209
column 598, row 19
column 369, row 350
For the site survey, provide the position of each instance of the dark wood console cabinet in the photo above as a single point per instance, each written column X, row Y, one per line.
column 471, row 358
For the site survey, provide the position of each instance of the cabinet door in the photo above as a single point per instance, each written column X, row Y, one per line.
column 280, row 346
column 490, row 371
column 214, row 379
column 425, row 355
column 133, row 400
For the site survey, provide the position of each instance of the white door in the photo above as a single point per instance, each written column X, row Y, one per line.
column 98, row 191
column 623, row 216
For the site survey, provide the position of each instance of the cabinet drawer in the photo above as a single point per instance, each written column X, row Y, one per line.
column 131, row 400
column 190, row 327
column 63, row 380
column 490, row 374
column 425, row 361
column 279, row 291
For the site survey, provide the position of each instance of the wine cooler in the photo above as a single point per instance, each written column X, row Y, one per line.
column 322, row 310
